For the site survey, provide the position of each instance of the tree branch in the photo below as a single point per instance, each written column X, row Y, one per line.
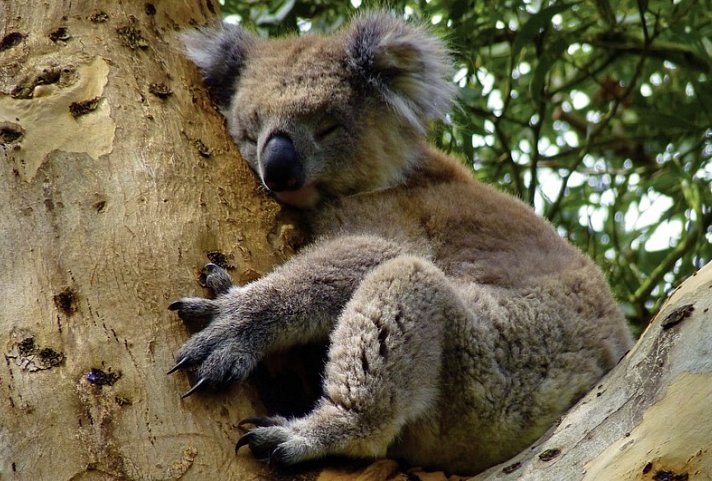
column 554, row 210
column 622, row 43
column 643, row 292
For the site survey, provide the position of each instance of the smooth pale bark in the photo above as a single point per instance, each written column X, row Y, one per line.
column 116, row 179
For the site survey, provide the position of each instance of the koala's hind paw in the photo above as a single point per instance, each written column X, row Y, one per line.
column 215, row 278
column 275, row 442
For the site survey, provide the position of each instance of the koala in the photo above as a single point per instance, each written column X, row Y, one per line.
column 460, row 326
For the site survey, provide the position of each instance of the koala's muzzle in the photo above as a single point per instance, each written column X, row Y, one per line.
column 281, row 168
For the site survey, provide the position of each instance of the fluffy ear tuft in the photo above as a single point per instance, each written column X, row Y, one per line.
column 220, row 53
column 407, row 64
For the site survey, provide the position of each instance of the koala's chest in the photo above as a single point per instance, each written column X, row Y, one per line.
column 384, row 216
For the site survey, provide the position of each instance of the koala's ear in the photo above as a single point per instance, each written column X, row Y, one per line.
column 407, row 64
column 220, row 53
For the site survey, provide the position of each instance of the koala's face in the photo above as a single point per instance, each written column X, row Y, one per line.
column 330, row 116
column 296, row 119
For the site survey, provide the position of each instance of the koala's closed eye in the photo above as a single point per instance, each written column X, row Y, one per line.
column 247, row 135
column 327, row 129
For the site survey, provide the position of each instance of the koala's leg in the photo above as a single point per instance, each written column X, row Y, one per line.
column 383, row 369
column 297, row 303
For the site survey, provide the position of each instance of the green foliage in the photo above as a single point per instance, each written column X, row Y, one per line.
column 597, row 113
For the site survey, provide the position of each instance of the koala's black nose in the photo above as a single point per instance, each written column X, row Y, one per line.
column 281, row 168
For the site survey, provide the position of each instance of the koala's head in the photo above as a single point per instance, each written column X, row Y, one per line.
column 327, row 116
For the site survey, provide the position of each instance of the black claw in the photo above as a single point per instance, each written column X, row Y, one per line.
column 194, row 388
column 175, row 305
column 182, row 362
column 259, row 421
column 209, row 268
column 244, row 440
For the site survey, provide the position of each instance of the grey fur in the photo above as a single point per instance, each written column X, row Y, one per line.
column 220, row 54
column 460, row 325
column 406, row 65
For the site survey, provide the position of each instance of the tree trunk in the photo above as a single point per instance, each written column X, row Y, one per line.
column 117, row 179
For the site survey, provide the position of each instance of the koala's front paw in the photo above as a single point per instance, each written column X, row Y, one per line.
column 274, row 440
column 220, row 354
column 224, row 351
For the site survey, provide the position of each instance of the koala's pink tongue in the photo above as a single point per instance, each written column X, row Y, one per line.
column 305, row 197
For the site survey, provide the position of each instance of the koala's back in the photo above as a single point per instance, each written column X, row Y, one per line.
column 470, row 230
column 551, row 328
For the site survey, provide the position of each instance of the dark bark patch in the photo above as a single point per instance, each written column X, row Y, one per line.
column 23, row 90
column 203, row 149
column 221, row 259
column 66, row 301
column 290, row 383
column 10, row 133
column 160, row 90
column 670, row 476
column 26, row 346
column 33, row 358
column 61, row 34
column 549, row 454
column 61, row 76
column 77, row 109
column 48, row 76
column 99, row 17
column 149, row 8
column 100, row 206
column 100, row 377
column 50, row 358
column 647, row 468
column 131, row 37
column 511, row 468
column 677, row 316
column 10, row 40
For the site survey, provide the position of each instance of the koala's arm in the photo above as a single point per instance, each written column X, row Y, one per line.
column 298, row 302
